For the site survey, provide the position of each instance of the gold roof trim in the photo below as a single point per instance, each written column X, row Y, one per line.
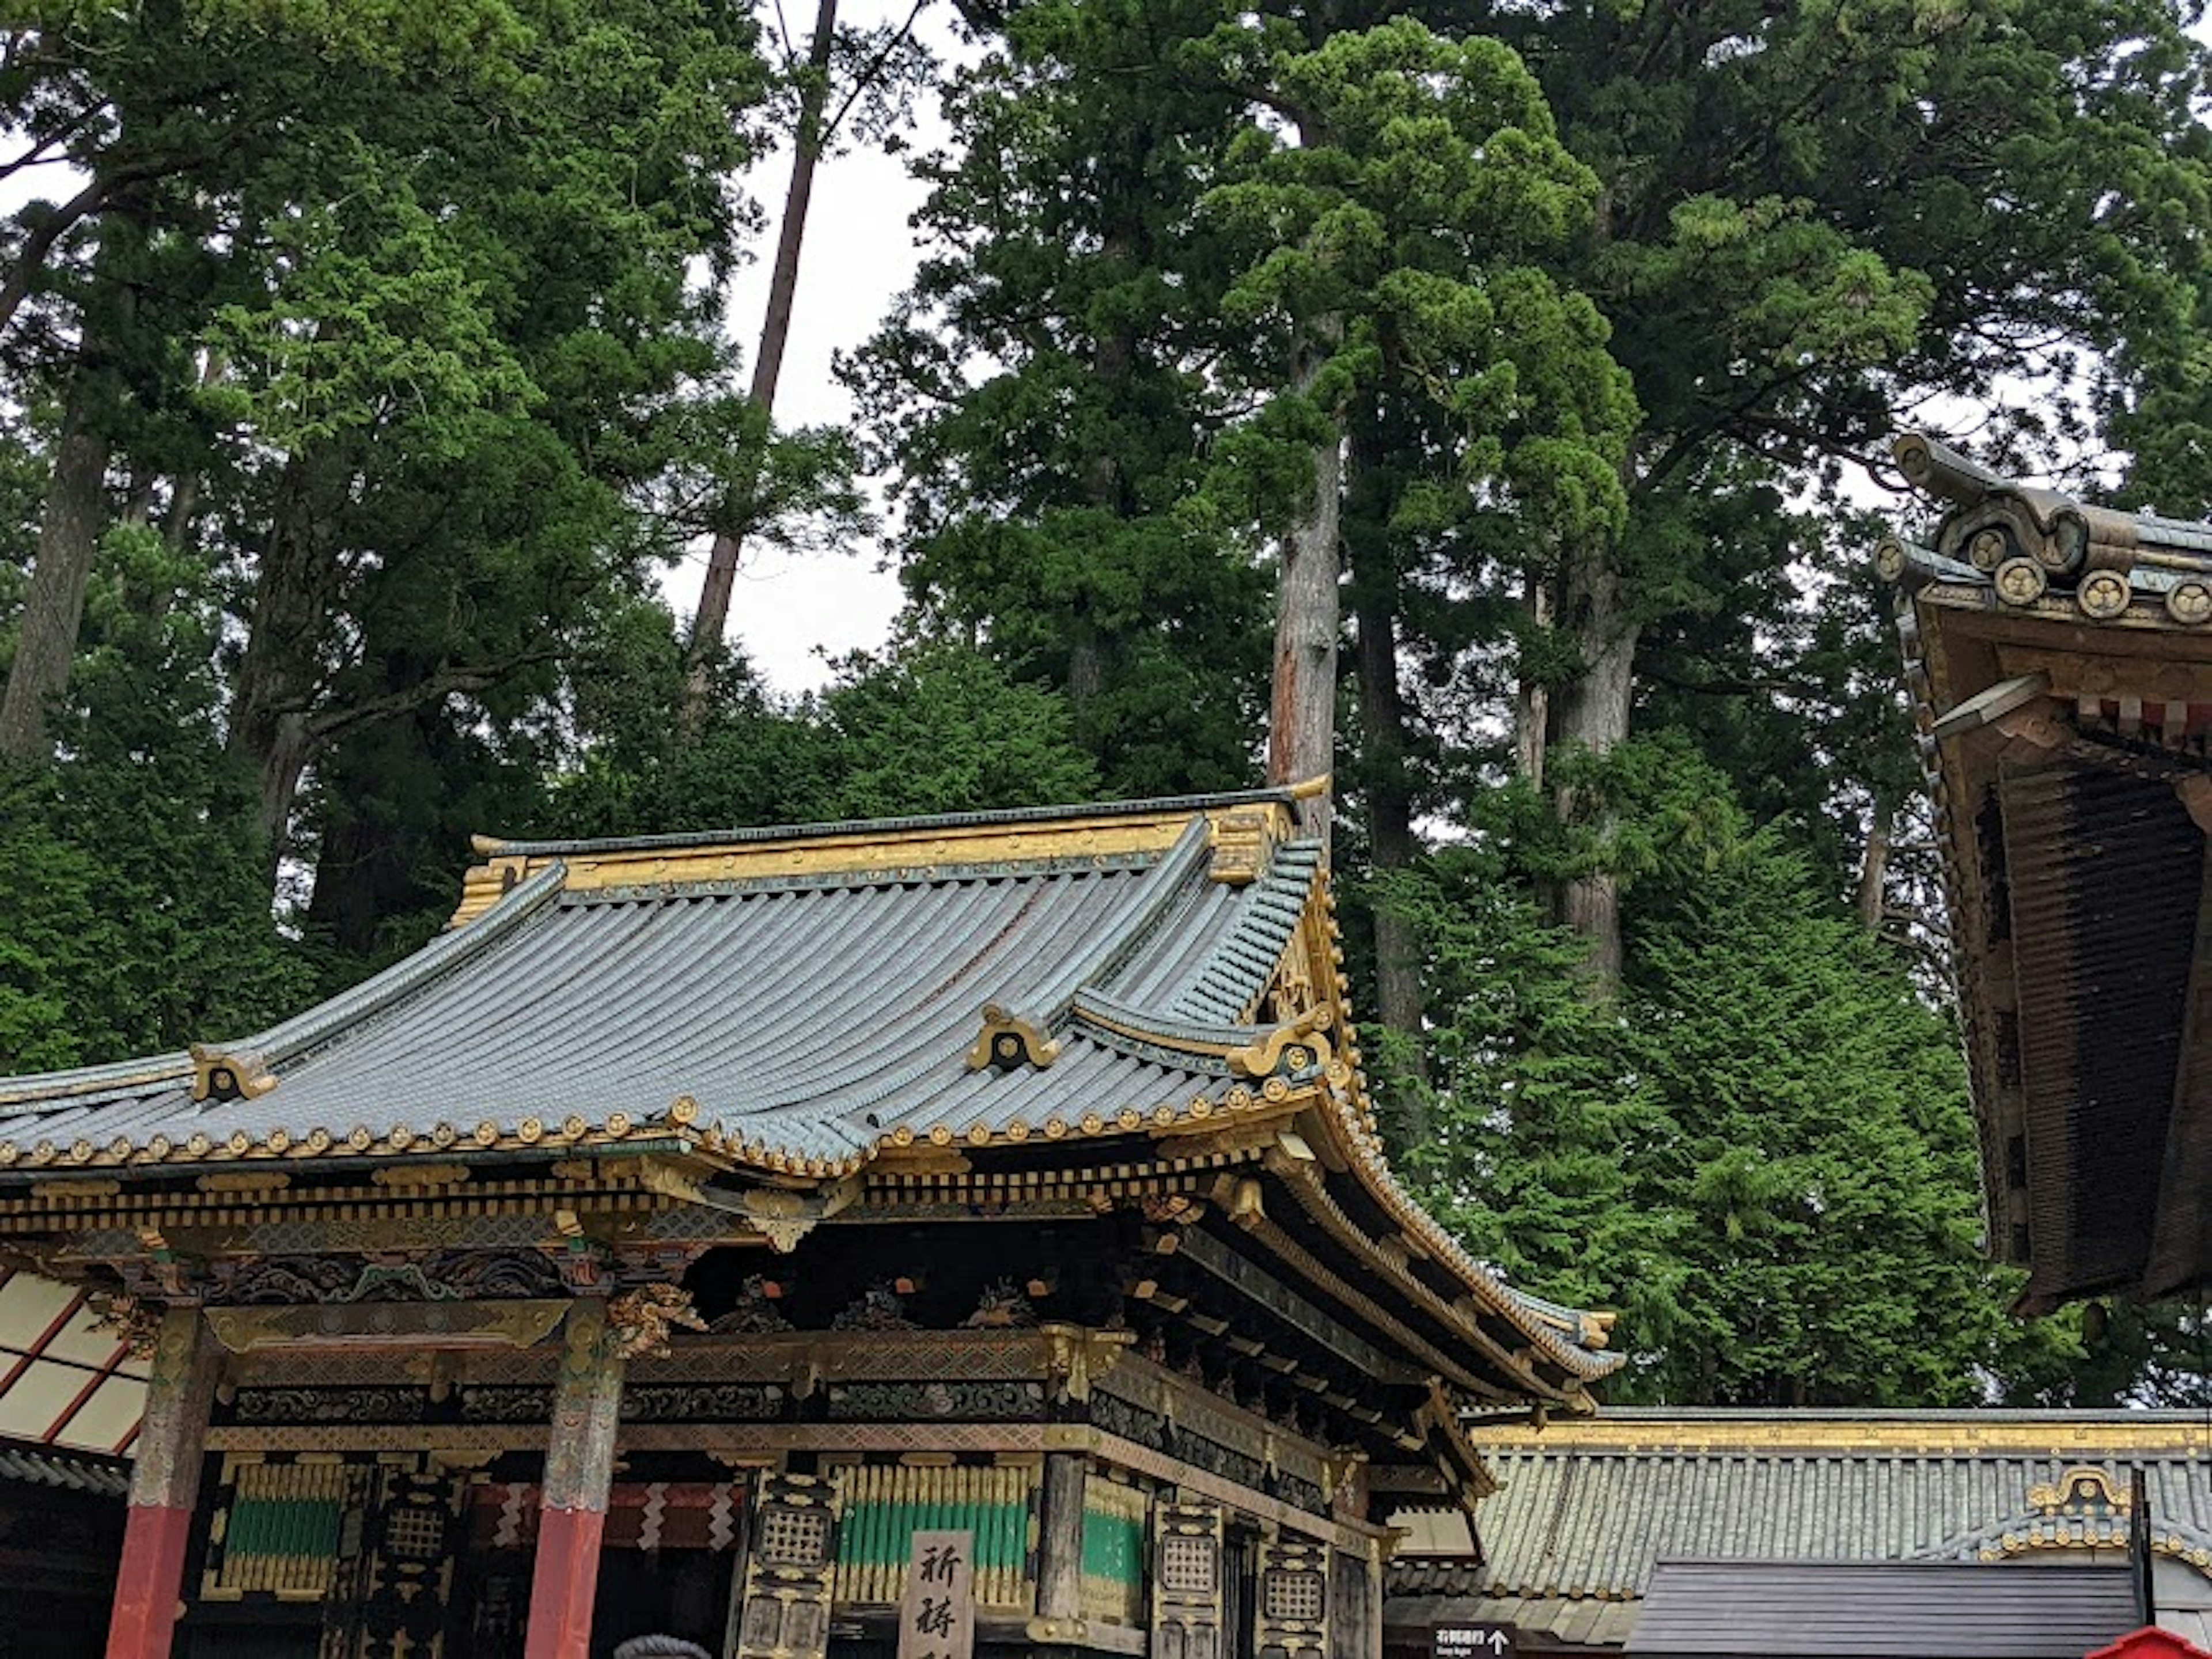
column 1345, row 1118
column 926, row 848
column 444, row 1140
column 229, row 1074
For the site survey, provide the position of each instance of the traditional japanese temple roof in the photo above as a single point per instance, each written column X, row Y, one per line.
column 2060, row 662
column 1585, row 1511
column 774, row 1019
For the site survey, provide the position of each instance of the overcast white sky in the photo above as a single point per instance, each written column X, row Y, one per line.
column 791, row 611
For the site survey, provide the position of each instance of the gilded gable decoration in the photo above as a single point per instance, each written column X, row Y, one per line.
column 2082, row 1489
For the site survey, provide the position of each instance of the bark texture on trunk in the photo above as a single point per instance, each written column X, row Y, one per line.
column 1387, row 783
column 279, row 675
column 1532, row 698
column 1302, row 723
column 1874, row 867
column 712, row 617
column 1591, row 712
column 69, row 533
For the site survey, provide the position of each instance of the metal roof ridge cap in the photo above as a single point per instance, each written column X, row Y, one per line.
column 1163, row 806
column 445, row 952
column 1259, row 927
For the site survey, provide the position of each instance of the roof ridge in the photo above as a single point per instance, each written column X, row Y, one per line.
column 1156, row 889
column 1240, row 963
column 1281, row 795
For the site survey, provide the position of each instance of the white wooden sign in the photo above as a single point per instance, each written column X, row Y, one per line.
column 937, row 1614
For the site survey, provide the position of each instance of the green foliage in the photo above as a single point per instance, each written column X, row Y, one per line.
column 1042, row 393
column 946, row 731
column 923, row 729
column 137, row 914
column 1393, row 213
column 1761, row 1154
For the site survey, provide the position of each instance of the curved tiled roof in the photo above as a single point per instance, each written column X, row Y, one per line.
column 815, row 1019
column 803, row 1000
column 1587, row 1510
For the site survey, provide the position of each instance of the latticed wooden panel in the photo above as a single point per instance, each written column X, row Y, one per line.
column 789, row 1569
column 1290, row 1618
column 279, row 1533
column 1186, row 1580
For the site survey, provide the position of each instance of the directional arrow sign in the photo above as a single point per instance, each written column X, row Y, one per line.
column 1473, row 1641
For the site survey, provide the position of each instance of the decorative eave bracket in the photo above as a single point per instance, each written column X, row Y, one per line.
column 224, row 1074
column 1009, row 1039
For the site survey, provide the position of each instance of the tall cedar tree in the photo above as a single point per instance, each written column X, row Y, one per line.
column 1043, row 393
column 1761, row 1152
column 1815, row 217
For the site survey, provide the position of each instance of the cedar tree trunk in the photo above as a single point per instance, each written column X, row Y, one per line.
column 69, row 532
column 279, row 674
column 1386, row 781
column 1591, row 712
column 1302, row 723
column 713, row 614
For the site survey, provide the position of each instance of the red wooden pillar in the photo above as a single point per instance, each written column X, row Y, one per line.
column 165, row 1483
column 579, row 1465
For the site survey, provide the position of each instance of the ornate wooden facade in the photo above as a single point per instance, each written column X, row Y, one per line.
column 693, row 1222
column 2060, row 664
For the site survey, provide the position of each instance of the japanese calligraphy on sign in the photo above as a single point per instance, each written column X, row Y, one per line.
column 937, row 1614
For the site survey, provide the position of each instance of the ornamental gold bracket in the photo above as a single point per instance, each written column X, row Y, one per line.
column 1008, row 1040
column 223, row 1074
column 1295, row 1047
column 2081, row 1485
column 780, row 1216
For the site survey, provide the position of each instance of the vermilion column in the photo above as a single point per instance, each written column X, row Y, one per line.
column 579, row 1465
column 165, row 1483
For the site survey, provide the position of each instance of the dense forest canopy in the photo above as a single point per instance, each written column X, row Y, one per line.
column 1493, row 391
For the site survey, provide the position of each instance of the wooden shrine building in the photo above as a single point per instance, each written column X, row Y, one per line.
column 662, row 1246
column 2059, row 657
